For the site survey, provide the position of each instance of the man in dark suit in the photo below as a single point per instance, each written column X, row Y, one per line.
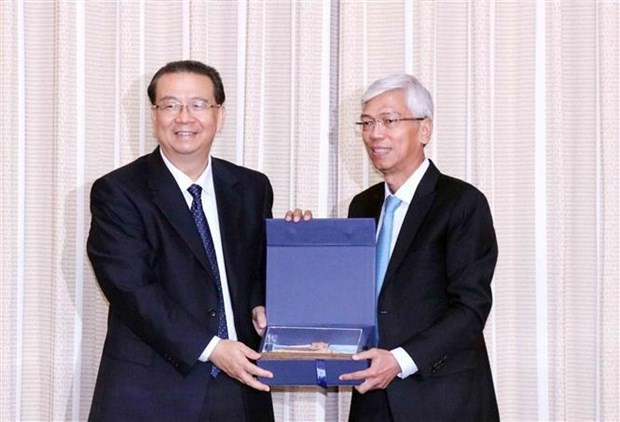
column 177, row 243
column 434, row 294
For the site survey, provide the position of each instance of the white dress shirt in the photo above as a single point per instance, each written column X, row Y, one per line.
column 209, row 205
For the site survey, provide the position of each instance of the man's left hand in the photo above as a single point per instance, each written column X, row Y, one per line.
column 383, row 368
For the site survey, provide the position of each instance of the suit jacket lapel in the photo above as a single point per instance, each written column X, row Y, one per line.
column 169, row 199
column 229, row 204
column 375, row 203
column 420, row 205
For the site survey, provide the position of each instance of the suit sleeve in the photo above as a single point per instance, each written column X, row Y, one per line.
column 469, row 256
column 123, row 258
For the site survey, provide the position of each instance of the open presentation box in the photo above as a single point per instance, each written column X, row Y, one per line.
column 320, row 300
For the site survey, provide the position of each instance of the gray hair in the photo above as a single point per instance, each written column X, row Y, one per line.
column 419, row 100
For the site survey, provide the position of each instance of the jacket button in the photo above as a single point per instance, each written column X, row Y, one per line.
column 212, row 313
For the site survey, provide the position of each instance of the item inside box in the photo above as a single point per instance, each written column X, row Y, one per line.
column 301, row 343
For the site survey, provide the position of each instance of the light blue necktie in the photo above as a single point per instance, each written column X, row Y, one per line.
column 385, row 240
column 207, row 241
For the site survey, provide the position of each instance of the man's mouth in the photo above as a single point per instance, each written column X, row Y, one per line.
column 380, row 150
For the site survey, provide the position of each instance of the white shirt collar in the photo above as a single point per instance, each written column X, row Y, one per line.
column 205, row 180
column 407, row 190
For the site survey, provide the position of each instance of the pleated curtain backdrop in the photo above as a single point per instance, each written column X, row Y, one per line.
column 527, row 109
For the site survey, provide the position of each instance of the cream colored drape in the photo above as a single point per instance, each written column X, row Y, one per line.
column 527, row 109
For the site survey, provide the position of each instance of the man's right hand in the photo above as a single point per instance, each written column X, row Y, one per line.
column 235, row 358
column 297, row 215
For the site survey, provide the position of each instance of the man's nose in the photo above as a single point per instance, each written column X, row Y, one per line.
column 377, row 130
column 184, row 113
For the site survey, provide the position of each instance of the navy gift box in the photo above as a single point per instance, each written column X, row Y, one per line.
column 320, row 300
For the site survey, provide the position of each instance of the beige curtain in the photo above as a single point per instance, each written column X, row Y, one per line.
column 527, row 108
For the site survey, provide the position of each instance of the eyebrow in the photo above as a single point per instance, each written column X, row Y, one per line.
column 385, row 113
column 172, row 98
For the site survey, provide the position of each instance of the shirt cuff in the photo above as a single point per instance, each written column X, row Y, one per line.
column 407, row 365
column 206, row 353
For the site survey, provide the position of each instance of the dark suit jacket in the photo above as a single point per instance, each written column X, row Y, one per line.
column 435, row 300
column 153, row 269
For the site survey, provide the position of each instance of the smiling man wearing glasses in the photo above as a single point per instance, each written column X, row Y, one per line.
column 177, row 242
column 436, row 254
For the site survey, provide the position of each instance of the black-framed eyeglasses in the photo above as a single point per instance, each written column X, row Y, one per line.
column 387, row 122
column 195, row 107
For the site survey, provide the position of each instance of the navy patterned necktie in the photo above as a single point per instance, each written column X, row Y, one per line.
column 207, row 241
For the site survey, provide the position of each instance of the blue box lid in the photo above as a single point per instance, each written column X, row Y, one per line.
column 321, row 273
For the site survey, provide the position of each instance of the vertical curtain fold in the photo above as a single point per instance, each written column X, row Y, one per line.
column 608, row 157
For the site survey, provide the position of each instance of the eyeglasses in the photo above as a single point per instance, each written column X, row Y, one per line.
column 173, row 108
column 368, row 125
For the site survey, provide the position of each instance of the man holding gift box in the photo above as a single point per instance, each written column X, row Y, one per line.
column 177, row 243
column 436, row 254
